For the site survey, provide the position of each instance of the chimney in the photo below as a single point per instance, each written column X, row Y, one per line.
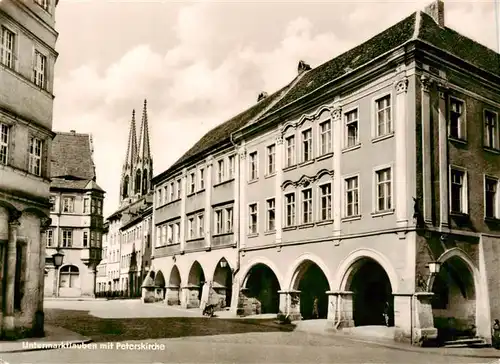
column 262, row 96
column 302, row 67
column 72, row 132
column 436, row 11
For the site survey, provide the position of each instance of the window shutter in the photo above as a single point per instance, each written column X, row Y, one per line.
column 28, row 159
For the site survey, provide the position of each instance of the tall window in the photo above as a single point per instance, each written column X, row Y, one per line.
column 4, row 143
column 254, row 173
column 228, row 220
column 458, row 191
column 326, row 201
column 178, row 189
column 7, row 48
column 177, row 229
column 271, row 226
column 218, row 222
column 325, row 131
column 383, row 116
column 306, row 145
column 52, row 201
column 201, row 226
column 271, row 159
column 220, row 171
column 191, row 227
column 39, row 69
column 159, row 196
column 290, row 151
column 253, row 216
column 290, row 209
column 35, row 158
column 49, row 234
column 352, row 197
column 67, row 238
column 457, row 119
column 231, row 167
column 307, row 206
column 172, row 192
column 490, row 130
column 68, row 204
column 164, row 238
column 86, row 205
column 202, row 178
column 85, row 240
column 351, row 128
column 384, row 181
column 192, row 183
column 490, row 198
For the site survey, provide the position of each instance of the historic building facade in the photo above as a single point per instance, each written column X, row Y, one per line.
column 364, row 192
column 76, row 214
column 127, row 251
column 27, row 58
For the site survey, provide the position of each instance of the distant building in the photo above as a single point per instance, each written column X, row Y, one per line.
column 27, row 59
column 365, row 192
column 77, row 221
column 128, row 242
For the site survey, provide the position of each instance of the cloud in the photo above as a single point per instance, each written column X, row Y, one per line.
column 212, row 70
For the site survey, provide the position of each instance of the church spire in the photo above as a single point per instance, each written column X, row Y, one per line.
column 144, row 149
column 132, row 145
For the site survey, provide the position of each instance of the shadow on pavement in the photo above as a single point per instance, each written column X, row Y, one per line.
column 121, row 329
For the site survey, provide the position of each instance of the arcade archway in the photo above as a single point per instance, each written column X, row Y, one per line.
column 174, row 286
column 196, row 281
column 261, row 290
column 454, row 300
column 372, row 298
column 222, row 284
column 312, row 283
column 159, row 282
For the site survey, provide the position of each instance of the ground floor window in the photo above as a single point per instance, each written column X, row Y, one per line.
column 70, row 277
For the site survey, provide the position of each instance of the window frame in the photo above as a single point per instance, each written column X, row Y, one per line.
column 346, row 127
column 329, row 139
column 72, row 199
column 271, row 159
column 286, row 204
column 375, row 191
column 345, row 215
column 270, row 212
column 464, row 193
column 320, row 201
column 39, row 72
column 375, row 115
column 496, row 199
column 293, row 154
column 251, row 164
column 310, row 144
column 34, row 160
column 13, row 50
column 496, row 136
column 64, row 239
column 5, row 144
column 311, row 206
column 250, row 214
column 463, row 122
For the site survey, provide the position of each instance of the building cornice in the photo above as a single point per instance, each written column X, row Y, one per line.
column 14, row 116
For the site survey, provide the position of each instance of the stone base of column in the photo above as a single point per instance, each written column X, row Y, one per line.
column 172, row 297
column 290, row 305
column 424, row 332
column 8, row 329
column 38, row 324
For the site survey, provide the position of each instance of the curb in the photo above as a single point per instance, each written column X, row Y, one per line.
column 49, row 345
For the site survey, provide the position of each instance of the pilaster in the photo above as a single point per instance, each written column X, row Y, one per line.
column 423, row 321
column 182, row 232
column 426, row 150
column 236, row 210
column 208, row 203
column 443, row 158
column 242, row 186
column 401, row 157
column 337, row 176
column 279, row 195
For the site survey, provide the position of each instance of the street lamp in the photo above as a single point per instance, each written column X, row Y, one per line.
column 58, row 258
column 434, row 268
column 223, row 264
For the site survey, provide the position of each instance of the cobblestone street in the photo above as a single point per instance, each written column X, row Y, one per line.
column 189, row 338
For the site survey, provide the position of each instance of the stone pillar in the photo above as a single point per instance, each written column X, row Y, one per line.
column 332, row 306
column 38, row 324
column 443, row 159
column 278, row 221
column 243, row 204
column 426, row 150
column 182, row 225
column 344, row 307
column 337, row 177
column 172, row 296
column 8, row 317
column 290, row 304
column 208, row 203
column 401, row 165
column 423, row 321
column 402, row 316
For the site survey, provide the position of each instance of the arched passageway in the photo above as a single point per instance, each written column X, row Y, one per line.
column 174, row 286
column 313, row 285
column 159, row 282
column 454, row 301
column 222, row 284
column 196, row 280
column 373, row 302
column 261, row 290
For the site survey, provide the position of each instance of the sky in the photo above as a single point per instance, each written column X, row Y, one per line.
column 199, row 63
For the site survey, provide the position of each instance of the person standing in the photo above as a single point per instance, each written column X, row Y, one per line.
column 315, row 313
column 495, row 333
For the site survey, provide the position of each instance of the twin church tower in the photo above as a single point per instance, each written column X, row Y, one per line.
column 137, row 170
